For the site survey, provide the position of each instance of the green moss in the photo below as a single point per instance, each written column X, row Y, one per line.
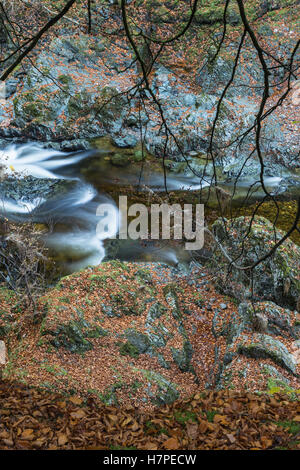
column 276, row 385
column 71, row 336
column 287, row 213
column 96, row 332
column 128, row 349
column 120, row 160
column 292, row 427
column 183, row 416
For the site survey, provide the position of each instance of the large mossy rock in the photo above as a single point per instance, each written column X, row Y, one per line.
column 166, row 391
column 63, row 96
column 275, row 279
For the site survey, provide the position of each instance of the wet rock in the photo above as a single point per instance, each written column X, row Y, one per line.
column 127, row 141
column 31, row 189
column 11, row 86
column 120, row 160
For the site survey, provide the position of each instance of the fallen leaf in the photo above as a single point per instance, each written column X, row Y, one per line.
column 171, row 444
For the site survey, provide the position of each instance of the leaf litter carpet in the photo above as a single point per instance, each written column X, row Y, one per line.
column 35, row 419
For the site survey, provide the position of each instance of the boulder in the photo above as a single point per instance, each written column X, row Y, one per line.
column 279, row 321
column 61, row 100
column 262, row 346
column 275, row 279
column 166, row 391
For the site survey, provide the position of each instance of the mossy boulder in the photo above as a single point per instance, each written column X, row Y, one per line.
column 139, row 341
column 70, row 336
column 276, row 278
column 262, row 346
column 120, row 160
column 166, row 391
column 128, row 349
column 182, row 357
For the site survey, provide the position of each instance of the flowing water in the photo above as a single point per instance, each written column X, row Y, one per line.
column 71, row 216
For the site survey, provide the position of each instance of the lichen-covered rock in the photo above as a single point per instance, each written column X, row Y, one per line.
column 170, row 294
column 155, row 311
column 61, row 99
column 138, row 340
column 120, row 318
column 182, row 357
column 278, row 321
column 166, row 391
column 276, row 278
column 232, row 324
column 32, row 190
column 70, row 337
column 256, row 377
column 262, row 346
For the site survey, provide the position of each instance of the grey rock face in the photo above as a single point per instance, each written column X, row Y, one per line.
column 276, row 278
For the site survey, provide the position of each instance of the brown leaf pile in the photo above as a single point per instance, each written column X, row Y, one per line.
column 34, row 419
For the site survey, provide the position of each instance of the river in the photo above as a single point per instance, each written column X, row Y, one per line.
column 70, row 216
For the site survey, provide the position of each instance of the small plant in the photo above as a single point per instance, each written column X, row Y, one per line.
column 23, row 264
column 183, row 416
column 291, row 426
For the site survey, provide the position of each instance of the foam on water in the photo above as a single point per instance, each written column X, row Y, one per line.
column 75, row 209
column 31, row 159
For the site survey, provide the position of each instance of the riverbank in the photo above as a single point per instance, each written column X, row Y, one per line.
column 148, row 335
